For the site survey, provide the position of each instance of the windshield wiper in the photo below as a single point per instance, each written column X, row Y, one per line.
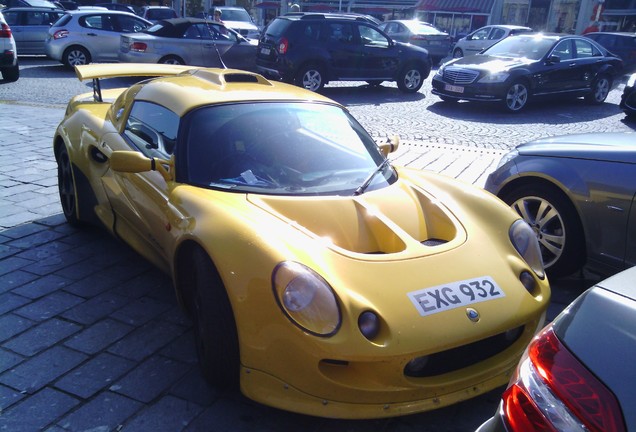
column 371, row 176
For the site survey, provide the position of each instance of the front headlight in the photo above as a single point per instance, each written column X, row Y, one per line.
column 527, row 244
column 306, row 298
column 495, row 78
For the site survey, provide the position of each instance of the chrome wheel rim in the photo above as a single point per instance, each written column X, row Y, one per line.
column 412, row 79
column 547, row 224
column 602, row 90
column 76, row 58
column 516, row 97
column 312, row 80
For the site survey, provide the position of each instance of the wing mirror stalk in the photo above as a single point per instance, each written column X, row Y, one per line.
column 390, row 146
column 135, row 162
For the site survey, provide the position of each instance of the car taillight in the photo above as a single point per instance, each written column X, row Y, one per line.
column 5, row 31
column 138, row 46
column 417, row 37
column 283, row 45
column 60, row 34
column 553, row 391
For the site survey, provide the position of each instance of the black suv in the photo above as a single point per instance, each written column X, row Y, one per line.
column 310, row 50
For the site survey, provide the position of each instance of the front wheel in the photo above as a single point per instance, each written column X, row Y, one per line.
column 600, row 89
column 66, row 187
column 311, row 77
column 556, row 224
column 173, row 60
column 411, row 78
column 516, row 97
column 76, row 56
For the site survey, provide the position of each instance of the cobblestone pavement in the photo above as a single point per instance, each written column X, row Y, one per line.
column 91, row 337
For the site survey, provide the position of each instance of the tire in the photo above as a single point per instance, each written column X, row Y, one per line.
column 411, row 78
column 12, row 73
column 76, row 56
column 171, row 59
column 600, row 89
column 516, row 97
column 457, row 53
column 215, row 331
column 66, row 187
column 556, row 224
column 311, row 77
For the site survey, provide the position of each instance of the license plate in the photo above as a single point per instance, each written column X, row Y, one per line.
column 265, row 51
column 429, row 301
column 456, row 89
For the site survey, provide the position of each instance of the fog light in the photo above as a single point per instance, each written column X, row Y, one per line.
column 527, row 280
column 369, row 324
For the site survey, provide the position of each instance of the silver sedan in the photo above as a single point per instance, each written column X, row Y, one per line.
column 189, row 41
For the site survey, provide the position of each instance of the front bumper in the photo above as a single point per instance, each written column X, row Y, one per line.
column 471, row 92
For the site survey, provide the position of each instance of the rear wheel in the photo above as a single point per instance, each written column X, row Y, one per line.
column 516, row 97
column 214, row 325
column 66, row 187
column 600, row 89
column 556, row 224
column 411, row 78
column 171, row 59
column 311, row 77
column 76, row 56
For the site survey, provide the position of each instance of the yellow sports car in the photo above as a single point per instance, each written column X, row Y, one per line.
column 318, row 276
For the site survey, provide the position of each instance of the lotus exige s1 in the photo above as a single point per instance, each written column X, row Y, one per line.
column 320, row 277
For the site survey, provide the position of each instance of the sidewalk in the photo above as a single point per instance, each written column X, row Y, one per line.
column 91, row 337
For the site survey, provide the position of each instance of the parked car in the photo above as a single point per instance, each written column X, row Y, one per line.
column 82, row 37
column 30, row 26
column 156, row 13
column 190, row 41
column 9, row 65
column 522, row 67
column 578, row 373
column 303, row 256
column 436, row 42
column 117, row 6
column 312, row 49
column 577, row 193
column 239, row 20
column 622, row 44
column 29, row 3
column 628, row 98
column 485, row 37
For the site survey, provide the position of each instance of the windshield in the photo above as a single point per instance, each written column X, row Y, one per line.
column 235, row 15
column 421, row 28
column 531, row 47
column 281, row 148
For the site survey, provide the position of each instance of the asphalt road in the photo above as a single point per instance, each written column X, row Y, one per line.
column 420, row 119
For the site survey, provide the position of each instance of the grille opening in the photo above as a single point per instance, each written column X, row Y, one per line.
column 434, row 242
column 461, row 357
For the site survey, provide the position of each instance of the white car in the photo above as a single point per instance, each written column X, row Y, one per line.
column 239, row 20
column 83, row 37
column 484, row 38
column 8, row 53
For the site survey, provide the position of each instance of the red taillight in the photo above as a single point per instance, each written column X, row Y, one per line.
column 283, row 45
column 138, row 46
column 60, row 34
column 554, row 391
column 5, row 31
column 417, row 37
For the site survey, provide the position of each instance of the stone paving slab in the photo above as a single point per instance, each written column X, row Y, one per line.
column 91, row 336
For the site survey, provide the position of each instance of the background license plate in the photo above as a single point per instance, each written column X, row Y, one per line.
column 456, row 89
column 265, row 51
column 453, row 295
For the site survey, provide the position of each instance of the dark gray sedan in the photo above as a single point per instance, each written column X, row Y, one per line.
column 578, row 374
column 435, row 41
column 578, row 194
column 189, row 41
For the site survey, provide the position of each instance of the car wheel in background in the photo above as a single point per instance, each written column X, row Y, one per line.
column 600, row 89
column 66, row 186
column 555, row 223
column 171, row 59
column 516, row 97
column 214, row 325
column 310, row 77
column 411, row 78
column 76, row 56
column 457, row 53
column 11, row 73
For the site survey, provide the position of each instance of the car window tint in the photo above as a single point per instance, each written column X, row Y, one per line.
column 100, row 22
column 371, row 37
column 192, row 32
column 496, row 34
column 340, row 32
column 564, row 50
column 481, row 34
column 11, row 18
column 130, row 24
column 152, row 129
column 311, row 31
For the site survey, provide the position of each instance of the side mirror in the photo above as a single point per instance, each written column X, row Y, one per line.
column 553, row 59
column 135, row 162
column 390, row 145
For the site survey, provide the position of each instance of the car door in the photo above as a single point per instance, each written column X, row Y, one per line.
column 558, row 77
column 380, row 55
column 34, row 30
column 100, row 37
column 589, row 60
column 345, row 51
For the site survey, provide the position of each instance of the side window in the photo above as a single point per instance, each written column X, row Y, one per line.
column 100, row 22
column 11, row 18
column 585, row 49
column 341, row 32
column 371, row 37
column 152, row 129
column 192, row 32
column 497, row 34
column 481, row 34
column 563, row 50
column 129, row 24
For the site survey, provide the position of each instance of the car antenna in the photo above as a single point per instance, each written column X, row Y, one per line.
column 216, row 48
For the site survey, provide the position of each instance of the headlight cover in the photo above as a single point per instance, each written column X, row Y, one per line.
column 306, row 298
column 496, row 77
column 525, row 241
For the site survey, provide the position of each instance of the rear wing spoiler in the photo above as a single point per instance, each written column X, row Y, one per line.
column 99, row 71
